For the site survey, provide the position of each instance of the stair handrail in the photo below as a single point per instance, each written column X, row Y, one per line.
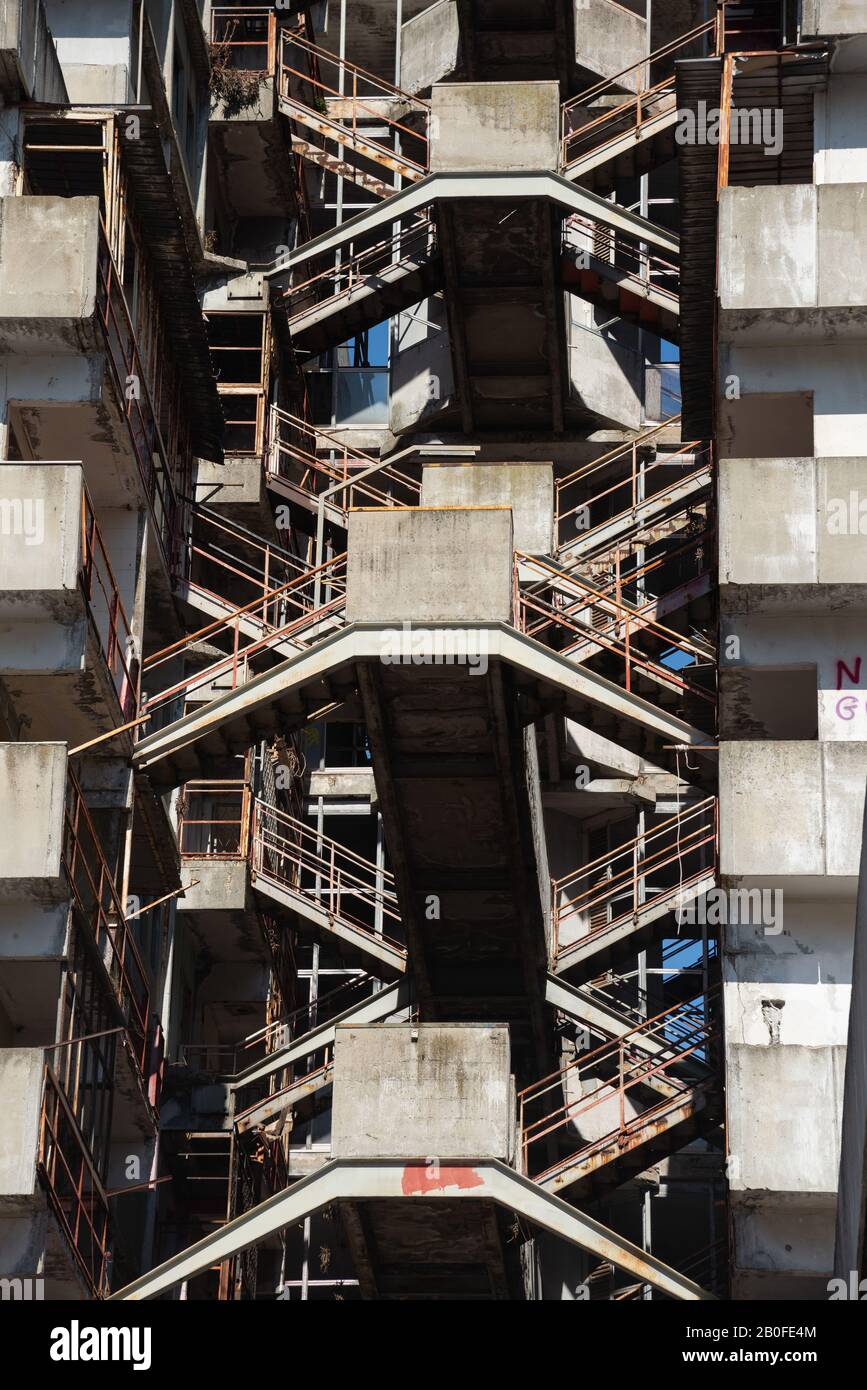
column 643, row 94
column 358, row 76
column 696, row 1025
column 690, row 838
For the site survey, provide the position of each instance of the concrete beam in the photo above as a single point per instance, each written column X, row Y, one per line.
column 354, row 1180
column 472, row 187
column 575, row 685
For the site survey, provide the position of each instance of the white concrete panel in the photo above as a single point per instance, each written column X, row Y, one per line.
column 767, row 247
column 842, row 252
column 767, row 521
column 835, row 373
column 756, row 779
column 437, row 564
column 784, row 1113
column 438, row 1090
column 528, row 488
column 32, row 798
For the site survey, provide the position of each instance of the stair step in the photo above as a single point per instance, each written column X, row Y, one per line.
column 351, row 139
column 316, row 155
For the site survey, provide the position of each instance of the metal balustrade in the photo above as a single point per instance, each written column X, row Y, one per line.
column 611, row 1075
column 651, row 871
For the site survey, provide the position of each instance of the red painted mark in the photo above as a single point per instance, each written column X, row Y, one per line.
column 417, row 1180
column 843, row 669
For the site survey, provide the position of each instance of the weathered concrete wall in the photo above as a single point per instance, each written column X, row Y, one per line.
column 821, row 787
column 779, row 1144
column 604, row 373
column 792, row 521
column 32, row 796
column 440, row 1090
column 40, row 525
column 222, row 885
column 421, row 373
column 528, row 488
column 234, row 482
column 494, row 125
column 794, row 247
column 608, row 38
column 832, row 373
column 829, row 17
column 44, row 312
column 824, row 651
column 783, row 1248
column 33, row 931
column 29, row 65
column 435, row 565
column 21, row 1070
column 238, row 293
column 430, row 46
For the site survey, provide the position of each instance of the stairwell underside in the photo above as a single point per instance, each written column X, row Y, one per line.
column 409, row 1187
column 326, row 676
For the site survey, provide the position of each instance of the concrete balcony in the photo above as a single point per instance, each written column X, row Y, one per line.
column 71, row 354
column 32, row 797
column 791, row 815
column 29, row 66
column 793, row 530
column 34, row 894
column 608, row 39
column 67, row 648
column 793, row 263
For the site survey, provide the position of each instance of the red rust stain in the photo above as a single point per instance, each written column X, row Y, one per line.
column 418, row 1180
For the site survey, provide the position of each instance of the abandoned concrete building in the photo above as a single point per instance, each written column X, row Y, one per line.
column 433, row 655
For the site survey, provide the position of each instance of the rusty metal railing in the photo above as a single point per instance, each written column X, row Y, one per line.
column 233, row 1058
column 214, row 836
column 582, row 508
column 351, row 93
column 610, row 1076
column 233, row 567
column 656, row 869
column 73, row 1187
column 101, row 592
column 636, row 267
column 247, row 36
column 134, row 395
column 292, row 617
column 310, row 866
column 579, row 621
column 403, row 248
column 295, row 458
column 97, row 903
column 631, row 114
